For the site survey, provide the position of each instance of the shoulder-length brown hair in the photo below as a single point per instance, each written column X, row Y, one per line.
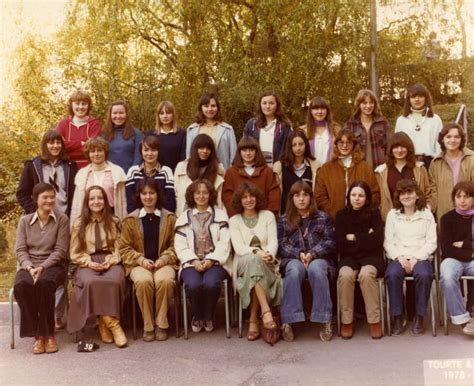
column 193, row 168
column 445, row 130
column 320, row 102
column 253, row 190
column 108, row 129
column 111, row 223
column 152, row 183
column 79, row 96
column 169, row 108
column 349, row 134
column 288, row 158
column 189, row 195
column 292, row 216
column 420, row 90
column 361, row 96
column 260, row 120
column 247, row 142
column 50, row 136
column 206, row 99
column 96, row 143
column 407, row 185
column 401, row 139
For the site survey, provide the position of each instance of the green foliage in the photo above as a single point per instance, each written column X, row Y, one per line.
column 3, row 240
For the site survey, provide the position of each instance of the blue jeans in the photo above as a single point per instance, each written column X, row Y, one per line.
column 203, row 289
column 423, row 277
column 451, row 271
column 292, row 303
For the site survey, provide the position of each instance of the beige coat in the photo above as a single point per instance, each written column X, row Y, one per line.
column 441, row 178
column 421, row 178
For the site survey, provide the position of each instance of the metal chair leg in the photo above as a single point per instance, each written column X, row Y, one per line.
column 433, row 296
column 240, row 317
column 227, row 313
column 381, row 302
column 12, row 318
column 389, row 325
column 445, row 316
column 134, row 313
column 338, row 309
column 176, row 309
column 185, row 312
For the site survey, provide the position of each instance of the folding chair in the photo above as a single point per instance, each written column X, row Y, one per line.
column 464, row 280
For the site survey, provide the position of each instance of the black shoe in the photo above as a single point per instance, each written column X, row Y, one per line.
column 417, row 326
column 398, row 325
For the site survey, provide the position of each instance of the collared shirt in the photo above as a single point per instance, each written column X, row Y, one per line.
column 53, row 174
column 104, row 179
column 41, row 224
column 195, row 210
column 267, row 136
column 143, row 212
column 210, row 130
column 152, row 172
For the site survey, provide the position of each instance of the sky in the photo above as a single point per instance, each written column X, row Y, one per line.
column 44, row 17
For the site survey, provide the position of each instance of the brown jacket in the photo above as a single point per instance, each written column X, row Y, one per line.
column 441, row 178
column 131, row 242
column 421, row 178
column 333, row 181
column 263, row 177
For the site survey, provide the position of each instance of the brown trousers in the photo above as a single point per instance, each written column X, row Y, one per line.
column 158, row 286
column 368, row 284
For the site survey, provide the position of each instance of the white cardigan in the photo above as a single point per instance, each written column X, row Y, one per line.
column 425, row 139
column 413, row 236
column 241, row 235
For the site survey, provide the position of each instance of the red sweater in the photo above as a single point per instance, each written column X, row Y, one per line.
column 262, row 177
column 74, row 135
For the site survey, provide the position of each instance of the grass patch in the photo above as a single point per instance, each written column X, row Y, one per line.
column 8, row 262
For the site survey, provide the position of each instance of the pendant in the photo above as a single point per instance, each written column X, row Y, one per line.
column 417, row 127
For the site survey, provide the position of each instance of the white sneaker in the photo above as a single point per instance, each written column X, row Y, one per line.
column 196, row 325
column 208, row 325
column 469, row 328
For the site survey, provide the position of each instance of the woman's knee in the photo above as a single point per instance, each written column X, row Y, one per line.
column 346, row 274
column 367, row 273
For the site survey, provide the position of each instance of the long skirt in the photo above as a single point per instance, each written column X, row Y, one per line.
column 96, row 293
column 251, row 269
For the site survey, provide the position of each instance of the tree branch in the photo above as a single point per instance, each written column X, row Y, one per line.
column 389, row 25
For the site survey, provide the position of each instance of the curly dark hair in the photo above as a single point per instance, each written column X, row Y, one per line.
column 251, row 189
column 189, row 196
column 152, row 184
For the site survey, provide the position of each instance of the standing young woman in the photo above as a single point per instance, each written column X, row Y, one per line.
column 169, row 135
column 202, row 163
column 370, row 127
column 50, row 167
column 335, row 177
column 253, row 232
column 41, row 246
column 202, row 244
column 102, row 173
column 123, row 138
column 320, row 129
column 455, row 163
column 99, row 282
column 150, row 167
column 458, row 256
column 420, row 123
column 78, row 127
column 296, row 164
column 400, row 164
column 410, row 241
column 147, row 249
column 210, row 121
column 249, row 166
column 307, row 247
column 359, row 232
column 270, row 127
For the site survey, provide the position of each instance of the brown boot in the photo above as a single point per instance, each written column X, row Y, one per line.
column 375, row 330
column 105, row 334
column 346, row 331
column 113, row 325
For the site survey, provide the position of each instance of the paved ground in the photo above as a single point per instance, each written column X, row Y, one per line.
column 213, row 359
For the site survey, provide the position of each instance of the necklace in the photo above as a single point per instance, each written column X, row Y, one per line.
column 250, row 222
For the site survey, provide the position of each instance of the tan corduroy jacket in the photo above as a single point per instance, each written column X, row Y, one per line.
column 131, row 243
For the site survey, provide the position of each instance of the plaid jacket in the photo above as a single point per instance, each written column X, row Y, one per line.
column 321, row 238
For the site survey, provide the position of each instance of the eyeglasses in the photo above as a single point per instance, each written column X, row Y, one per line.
column 344, row 143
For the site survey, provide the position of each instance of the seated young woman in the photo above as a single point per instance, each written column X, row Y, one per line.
column 410, row 241
column 458, row 256
column 99, row 282
column 147, row 249
column 42, row 240
column 359, row 232
column 307, row 247
column 202, row 244
column 253, row 233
